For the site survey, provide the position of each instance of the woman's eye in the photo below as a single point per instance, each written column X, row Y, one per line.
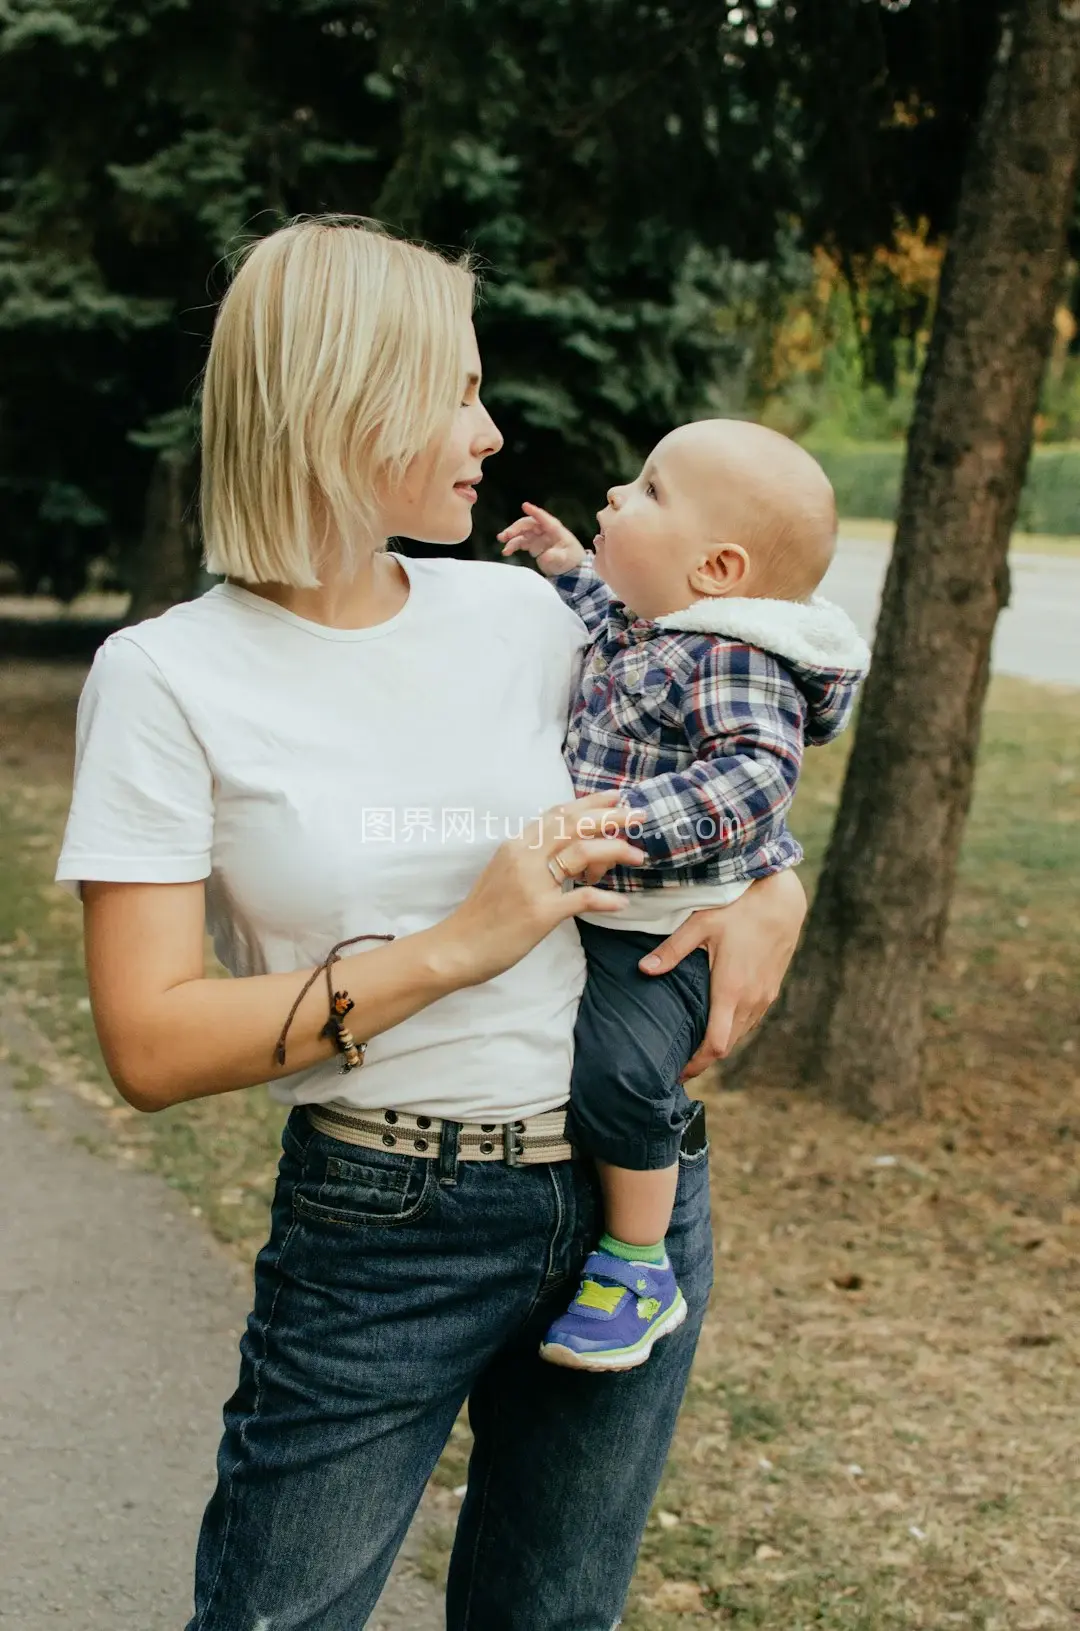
column 650, row 490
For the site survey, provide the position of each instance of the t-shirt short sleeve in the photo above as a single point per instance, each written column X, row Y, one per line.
column 142, row 808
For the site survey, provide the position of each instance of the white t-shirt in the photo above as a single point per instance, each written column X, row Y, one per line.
column 334, row 782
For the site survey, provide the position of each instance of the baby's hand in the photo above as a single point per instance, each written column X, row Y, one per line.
column 551, row 546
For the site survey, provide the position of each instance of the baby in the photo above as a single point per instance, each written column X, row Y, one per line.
column 711, row 662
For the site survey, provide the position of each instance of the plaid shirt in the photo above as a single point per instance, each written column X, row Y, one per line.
column 703, row 734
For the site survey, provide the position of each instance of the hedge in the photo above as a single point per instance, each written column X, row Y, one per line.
column 866, row 477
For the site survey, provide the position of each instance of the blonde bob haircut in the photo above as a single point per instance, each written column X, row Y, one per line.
column 335, row 360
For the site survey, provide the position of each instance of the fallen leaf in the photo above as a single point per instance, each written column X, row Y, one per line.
column 765, row 1554
column 667, row 1520
column 678, row 1597
column 847, row 1282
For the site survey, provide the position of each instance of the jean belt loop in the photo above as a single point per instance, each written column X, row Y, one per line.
column 448, row 1153
column 512, row 1145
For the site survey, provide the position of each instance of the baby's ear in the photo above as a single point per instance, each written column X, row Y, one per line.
column 722, row 571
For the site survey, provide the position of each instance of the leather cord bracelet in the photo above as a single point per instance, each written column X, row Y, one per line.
column 341, row 1004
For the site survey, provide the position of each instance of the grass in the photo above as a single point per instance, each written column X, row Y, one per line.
column 880, row 1432
column 1023, row 543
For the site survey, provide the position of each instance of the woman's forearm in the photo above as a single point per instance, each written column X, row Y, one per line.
column 205, row 1036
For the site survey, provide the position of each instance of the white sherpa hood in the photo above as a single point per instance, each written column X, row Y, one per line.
column 814, row 634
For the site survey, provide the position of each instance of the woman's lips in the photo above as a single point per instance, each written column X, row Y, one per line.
column 467, row 490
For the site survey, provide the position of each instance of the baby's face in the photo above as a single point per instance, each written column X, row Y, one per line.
column 721, row 507
column 654, row 529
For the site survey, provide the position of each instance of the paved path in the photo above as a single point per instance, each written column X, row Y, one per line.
column 1038, row 635
column 119, row 1317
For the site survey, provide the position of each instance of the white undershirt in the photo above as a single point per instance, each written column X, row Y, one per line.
column 232, row 741
column 662, row 911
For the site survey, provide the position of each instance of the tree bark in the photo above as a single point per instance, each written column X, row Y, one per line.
column 851, row 1023
column 164, row 564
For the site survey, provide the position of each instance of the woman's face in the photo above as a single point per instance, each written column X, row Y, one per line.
column 434, row 501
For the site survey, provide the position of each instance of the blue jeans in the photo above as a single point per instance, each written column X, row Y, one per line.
column 384, row 1298
column 634, row 1034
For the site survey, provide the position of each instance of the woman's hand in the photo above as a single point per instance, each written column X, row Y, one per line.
column 552, row 546
column 519, row 897
column 750, row 945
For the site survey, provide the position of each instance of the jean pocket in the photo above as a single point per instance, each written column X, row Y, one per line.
column 689, row 1162
column 359, row 1193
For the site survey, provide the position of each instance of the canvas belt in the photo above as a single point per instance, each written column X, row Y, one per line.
column 517, row 1143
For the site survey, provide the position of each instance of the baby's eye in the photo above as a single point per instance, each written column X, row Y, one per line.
column 650, row 489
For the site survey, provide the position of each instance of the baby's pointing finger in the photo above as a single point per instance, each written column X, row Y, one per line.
column 538, row 514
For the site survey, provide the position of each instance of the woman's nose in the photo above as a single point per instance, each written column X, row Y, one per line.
column 489, row 438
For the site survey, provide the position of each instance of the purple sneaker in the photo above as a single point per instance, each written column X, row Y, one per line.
column 620, row 1311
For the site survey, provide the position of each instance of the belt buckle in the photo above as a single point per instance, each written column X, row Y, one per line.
column 513, row 1147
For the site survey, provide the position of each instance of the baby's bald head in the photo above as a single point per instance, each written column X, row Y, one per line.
column 761, row 493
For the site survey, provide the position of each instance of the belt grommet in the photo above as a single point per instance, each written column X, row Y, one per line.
column 487, row 1126
column 486, row 1146
column 424, row 1122
column 420, row 1144
column 389, row 1140
column 390, row 1116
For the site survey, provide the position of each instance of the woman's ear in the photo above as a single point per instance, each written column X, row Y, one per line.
column 721, row 572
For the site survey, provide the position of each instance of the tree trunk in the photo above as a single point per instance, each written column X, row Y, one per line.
column 852, row 1019
column 164, row 563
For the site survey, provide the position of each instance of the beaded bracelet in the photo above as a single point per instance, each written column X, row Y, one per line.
column 341, row 1004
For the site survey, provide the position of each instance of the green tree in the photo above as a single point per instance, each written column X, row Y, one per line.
column 622, row 172
column 574, row 146
column 182, row 124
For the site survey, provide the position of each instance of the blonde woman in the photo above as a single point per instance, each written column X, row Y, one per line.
column 339, row 742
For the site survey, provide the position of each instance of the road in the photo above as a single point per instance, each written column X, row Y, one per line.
column 119, row 1318
column 1038, row 635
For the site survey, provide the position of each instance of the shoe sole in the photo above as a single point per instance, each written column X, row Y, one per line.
column 556, row 1354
